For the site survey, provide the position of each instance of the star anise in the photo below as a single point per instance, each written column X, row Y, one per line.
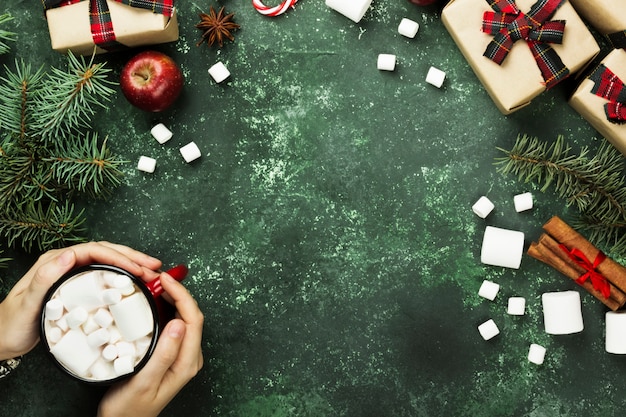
column 216, row 27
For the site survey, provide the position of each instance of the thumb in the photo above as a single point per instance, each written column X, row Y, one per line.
column 166, row 352
column 48, row 273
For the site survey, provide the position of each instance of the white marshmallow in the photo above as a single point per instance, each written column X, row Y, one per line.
column 386, row 62
column 116, row 336
column 523, row 202
column 54, row 309
column 109, row 353
column 62, row 323
column 408, row 28
column 74, row 352
column 146, row 164
column 516, row 306
column 122, row 281
column 190, row 152
column 488, row 329
column 161, row 133
column 435, row 77
column 90, row 325
column 615, row 339
column 102, row 370
column 142, row 345
column 111, row 296
column 76, row 317
column 502, row 247
column 103, row 317
column 123, row 365
column 352, row 9
column 126, row 291
column 536, row 353
column 489, row 290
column 562, row 312
column 219, row 72
column 133, row 317
column 483, row 207
column 98, row 338
column 54, row 334
column 83, row 290
column 125, row 349
column 108, row 277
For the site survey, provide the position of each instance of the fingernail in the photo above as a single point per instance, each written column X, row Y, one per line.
column 167, row 277
column 66, row 258
column 176, row 329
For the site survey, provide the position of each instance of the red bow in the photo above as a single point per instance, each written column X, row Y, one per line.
column 609, row 86
column 508, row 24
column 100, row 18
column 598, row 281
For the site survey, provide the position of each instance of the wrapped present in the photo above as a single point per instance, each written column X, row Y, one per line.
column 607, row 17
column 601, row 99
column 107, row 25
column 524, row 47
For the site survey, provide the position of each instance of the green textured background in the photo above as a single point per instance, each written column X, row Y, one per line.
column 328, row 226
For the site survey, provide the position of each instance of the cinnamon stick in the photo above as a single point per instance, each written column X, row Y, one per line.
column 543, row 252
column 566, row 235
column 618, row 295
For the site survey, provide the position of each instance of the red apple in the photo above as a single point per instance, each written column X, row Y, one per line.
column 151, row 81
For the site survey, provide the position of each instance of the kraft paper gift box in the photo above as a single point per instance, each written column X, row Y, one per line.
column 513, row 84
column 608, row 17
column 70, row 29
column 592, row 106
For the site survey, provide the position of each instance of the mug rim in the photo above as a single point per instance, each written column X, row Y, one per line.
column 147, row 294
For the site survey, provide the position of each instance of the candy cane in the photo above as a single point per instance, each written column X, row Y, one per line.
column 273, row 11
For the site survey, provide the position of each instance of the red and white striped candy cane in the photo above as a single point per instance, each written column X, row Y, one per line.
column 273, row 11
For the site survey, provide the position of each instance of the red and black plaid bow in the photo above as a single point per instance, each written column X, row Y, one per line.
column 618, row 39
column 609, row 86
column 100, row 18
column 508, row 24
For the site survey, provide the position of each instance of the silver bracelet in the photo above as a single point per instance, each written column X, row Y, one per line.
column 8, row 366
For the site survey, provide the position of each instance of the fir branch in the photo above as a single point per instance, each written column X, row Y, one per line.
column 85, row 166
column 18, row 94
column 42, row 226
column 72, row 98
column 45, row 157
column 5, row 36
column 593, row 184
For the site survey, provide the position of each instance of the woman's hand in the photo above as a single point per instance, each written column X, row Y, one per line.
column 176, row 359
column 20, row 311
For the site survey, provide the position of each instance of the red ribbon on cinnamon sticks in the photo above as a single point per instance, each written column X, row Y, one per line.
column 598, row 281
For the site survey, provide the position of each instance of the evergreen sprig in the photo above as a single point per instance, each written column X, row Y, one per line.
column 594, row 184
column 71, row 98
column 43, row 225
column 47, row 154
column 5, row 35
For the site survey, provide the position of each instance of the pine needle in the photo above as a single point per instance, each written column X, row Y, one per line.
column 47, row 154
column 593, row 184
column 5, row 35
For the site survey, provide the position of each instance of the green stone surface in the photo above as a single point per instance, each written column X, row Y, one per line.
column 328, row 226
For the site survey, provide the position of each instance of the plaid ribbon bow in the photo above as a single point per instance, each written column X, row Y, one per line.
column 100, row 17
column 508, row 24
column 618, row 39
column 609, row 86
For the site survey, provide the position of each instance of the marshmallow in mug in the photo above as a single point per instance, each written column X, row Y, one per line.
column 98, row 325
